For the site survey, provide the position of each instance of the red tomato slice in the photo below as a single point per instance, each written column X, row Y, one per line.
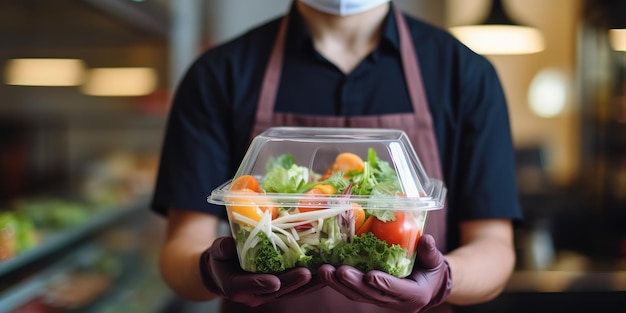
column 303, row 227
column 404, row 231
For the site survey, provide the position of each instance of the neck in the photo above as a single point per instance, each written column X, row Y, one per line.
column 356, row 28
column 344, row 40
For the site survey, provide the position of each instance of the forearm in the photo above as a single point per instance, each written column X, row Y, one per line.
column 189, row 234
column 480, row 269
column 180, row 268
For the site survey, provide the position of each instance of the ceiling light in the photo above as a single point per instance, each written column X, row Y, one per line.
column 129, row 81
column 499, row 34
column 617, row 37
column 547, row 94
column 44, row 72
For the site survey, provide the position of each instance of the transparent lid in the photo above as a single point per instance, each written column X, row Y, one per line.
column 315, row 150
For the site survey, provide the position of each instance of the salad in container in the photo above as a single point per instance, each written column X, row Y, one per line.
column 307, row 196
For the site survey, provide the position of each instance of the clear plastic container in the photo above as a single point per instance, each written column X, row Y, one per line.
column 305, row 196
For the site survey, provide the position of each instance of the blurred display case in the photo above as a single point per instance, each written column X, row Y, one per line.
column 34, row 154
column 76, row 233
column 76, row 170
column 106, row 262
column 572, row 245
column 602, row 82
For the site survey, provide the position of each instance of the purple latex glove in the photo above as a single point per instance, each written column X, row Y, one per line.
column 428, row 285
column 223, row 276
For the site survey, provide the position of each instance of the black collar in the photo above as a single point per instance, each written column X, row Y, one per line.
column 299, row 35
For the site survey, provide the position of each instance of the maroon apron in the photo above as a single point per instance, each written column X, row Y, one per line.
column 418, row 126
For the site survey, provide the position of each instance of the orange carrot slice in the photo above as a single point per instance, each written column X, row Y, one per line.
column 323, row 189
column 344, row 162
column 366, row 227
column 245, row 182
column 359, row 215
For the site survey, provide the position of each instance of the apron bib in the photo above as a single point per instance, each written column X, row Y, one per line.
column 418, row 126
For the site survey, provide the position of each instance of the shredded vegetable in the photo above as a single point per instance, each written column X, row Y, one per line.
column 324, row 231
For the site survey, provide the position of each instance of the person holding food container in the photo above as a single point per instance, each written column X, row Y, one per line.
column 343, row 63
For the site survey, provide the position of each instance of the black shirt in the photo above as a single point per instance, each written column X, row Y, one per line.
column 214, row 108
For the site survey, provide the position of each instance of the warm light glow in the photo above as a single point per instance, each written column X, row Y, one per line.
column 44, row 72
column 547, row 93
column 130, row 81
column 617, row 38
column 500, row 39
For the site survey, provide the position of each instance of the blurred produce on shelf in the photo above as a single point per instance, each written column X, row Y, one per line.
column 48, row 213
column 108, row 263
column 17, row 234
column 142, row 297
column 79, row 286
column 113, row 181
column 36, row 305
column 119, row 177
column 28, row 222
column 76, row 290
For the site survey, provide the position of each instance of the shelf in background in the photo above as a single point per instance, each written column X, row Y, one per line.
column 59, row 242
column 139, row 291
column 33, row 286
column 567, row 281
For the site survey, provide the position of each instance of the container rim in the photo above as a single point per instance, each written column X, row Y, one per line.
column 434, row 200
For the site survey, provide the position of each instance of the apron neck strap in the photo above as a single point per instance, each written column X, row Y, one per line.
column 410, row 66
column 412, row 72
column 271, row 78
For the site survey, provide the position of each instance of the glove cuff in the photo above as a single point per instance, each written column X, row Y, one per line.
column 445, row 289
column 205, row 273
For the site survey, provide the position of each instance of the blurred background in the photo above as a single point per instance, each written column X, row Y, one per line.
column 84, row 95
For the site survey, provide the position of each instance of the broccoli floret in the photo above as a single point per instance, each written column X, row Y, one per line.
column 313, row 260
column 264, row 257
column 267, row 258
column 367, row 253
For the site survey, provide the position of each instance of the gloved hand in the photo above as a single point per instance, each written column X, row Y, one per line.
column 222, row 275
column 428, row 285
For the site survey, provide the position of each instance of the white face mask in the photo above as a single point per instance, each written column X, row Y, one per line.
column 343, row 7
